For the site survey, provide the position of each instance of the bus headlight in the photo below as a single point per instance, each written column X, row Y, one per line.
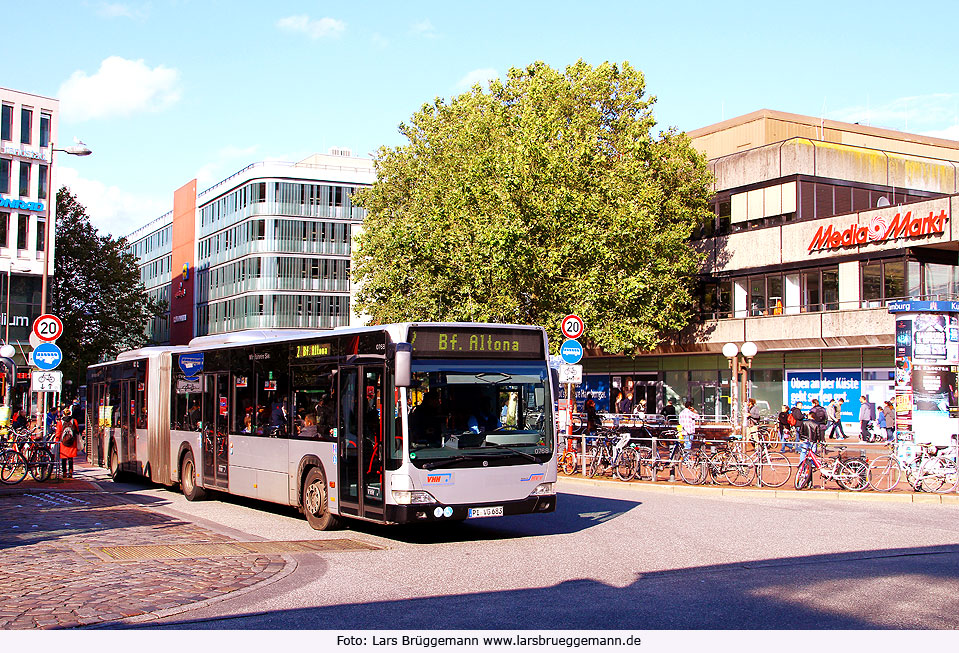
column 543, row 489
column 407, row 497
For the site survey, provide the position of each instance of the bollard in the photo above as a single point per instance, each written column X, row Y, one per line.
column 654, row 472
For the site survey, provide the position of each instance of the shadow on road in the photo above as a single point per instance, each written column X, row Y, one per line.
column 856, row 590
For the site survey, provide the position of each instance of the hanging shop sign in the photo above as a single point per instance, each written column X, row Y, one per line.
column 878, row 230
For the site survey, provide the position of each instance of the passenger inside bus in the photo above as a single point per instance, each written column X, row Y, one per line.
column 308, row 430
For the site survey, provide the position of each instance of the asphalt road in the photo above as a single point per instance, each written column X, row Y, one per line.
column 610, row 558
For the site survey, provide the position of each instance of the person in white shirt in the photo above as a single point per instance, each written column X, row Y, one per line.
column 687, row 422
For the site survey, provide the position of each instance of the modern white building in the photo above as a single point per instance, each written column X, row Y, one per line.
column 267, row 247
column 28, row 124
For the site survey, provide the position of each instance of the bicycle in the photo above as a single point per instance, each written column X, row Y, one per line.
column 678, row 458
column 850, row 474
column 607, row 457
column 569, row 462
column 771, row 467
column 938, row 473
column 13, row 466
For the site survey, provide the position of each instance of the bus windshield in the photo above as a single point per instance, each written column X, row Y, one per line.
column 469, row 414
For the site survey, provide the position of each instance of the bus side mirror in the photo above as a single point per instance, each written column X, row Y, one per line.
column 402, row 363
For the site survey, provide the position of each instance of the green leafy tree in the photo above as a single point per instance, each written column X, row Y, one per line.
column 544, row 195
column 96, row 291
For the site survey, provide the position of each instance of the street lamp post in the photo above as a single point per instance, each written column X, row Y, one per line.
column 739, row 367
column 76, row 150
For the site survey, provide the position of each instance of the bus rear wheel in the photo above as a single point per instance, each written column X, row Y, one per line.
column 316, row 503
column 188, row 479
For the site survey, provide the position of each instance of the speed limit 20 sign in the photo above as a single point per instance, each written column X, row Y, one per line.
column 48, row 327
column 573, row 326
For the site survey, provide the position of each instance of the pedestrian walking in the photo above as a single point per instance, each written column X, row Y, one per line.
column 784, row 429
column 67, row 434
column 834, row 418
column 865, row 414
column 889, row 413
column 669, row 412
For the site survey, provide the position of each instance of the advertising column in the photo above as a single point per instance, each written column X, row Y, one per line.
column 183, row 275
column 927, row 358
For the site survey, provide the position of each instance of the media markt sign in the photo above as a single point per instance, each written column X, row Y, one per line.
column 880, row 229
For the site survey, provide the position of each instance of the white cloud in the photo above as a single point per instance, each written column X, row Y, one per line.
column 424, row 28
column 480, row 76
column 121, row 87
column 952, row 133
column 122, row 10
column 314, row 28
column 927, row 114
column 113, row 210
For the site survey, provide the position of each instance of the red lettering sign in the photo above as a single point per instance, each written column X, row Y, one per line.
column 902, row 226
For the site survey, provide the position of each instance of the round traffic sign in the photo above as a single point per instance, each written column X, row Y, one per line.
column 48, row 327
column 573, row 326
column 571, row 351
column 47, row 356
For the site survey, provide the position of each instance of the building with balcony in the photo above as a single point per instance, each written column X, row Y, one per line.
column 818, row 225
column 28, row 124
column 268, row 247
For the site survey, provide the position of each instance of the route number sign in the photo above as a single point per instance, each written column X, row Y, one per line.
column 573, row 326
column 48, row 327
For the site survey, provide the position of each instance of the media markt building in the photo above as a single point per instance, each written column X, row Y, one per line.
column 818, row 227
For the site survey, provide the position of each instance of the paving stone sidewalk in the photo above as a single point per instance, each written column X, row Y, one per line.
column 50, row 576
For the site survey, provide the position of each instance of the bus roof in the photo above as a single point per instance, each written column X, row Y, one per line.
column 398, row 331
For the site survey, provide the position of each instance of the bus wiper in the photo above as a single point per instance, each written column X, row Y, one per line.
column 504, row 447
column 446, row 461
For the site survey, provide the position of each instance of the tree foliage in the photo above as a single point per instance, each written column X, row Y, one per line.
column 546, row 194
column 96, row 291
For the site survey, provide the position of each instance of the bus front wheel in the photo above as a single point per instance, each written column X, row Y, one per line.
column 315, row 502
column 188, row 479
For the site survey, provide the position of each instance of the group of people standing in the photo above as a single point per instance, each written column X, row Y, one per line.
column 822, row 422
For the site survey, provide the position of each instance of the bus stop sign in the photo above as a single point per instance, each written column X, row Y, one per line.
column 571, row 352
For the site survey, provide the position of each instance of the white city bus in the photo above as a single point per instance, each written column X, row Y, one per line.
column 393, row 424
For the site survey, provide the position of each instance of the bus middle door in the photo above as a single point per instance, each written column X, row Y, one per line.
column 215, row 432
column 360, row 441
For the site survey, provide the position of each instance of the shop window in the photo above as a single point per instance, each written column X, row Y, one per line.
column 871, row 284
column 894, row 280
column 830, row 289
column 811, row 292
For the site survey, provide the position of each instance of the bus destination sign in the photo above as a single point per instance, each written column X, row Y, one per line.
column 432, row 342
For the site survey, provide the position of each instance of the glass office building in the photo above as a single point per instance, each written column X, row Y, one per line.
column 268, row 247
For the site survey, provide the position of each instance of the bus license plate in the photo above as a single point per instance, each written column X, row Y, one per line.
column 491, row 511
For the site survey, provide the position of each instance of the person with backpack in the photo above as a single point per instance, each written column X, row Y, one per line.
column 786, row 422
column 67, row 434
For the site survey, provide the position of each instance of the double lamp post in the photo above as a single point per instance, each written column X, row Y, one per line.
column 740, row 362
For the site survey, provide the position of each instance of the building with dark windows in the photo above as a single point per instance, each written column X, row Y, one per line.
column 268, row 247
column 818, row 226
column 27, row 127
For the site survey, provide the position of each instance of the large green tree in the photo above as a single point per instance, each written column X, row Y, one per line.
column 544, row 195
column 96, row 291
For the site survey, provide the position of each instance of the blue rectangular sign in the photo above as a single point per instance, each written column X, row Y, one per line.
column 826, row 386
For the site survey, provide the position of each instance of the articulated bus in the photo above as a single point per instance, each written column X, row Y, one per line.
column 391, row 424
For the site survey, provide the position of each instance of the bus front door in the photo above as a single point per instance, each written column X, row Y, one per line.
column 360, row 441
column 215, row 431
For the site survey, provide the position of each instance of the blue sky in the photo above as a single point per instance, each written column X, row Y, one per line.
column 168, row 90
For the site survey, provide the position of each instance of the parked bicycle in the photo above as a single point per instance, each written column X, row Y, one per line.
column 849, row 473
